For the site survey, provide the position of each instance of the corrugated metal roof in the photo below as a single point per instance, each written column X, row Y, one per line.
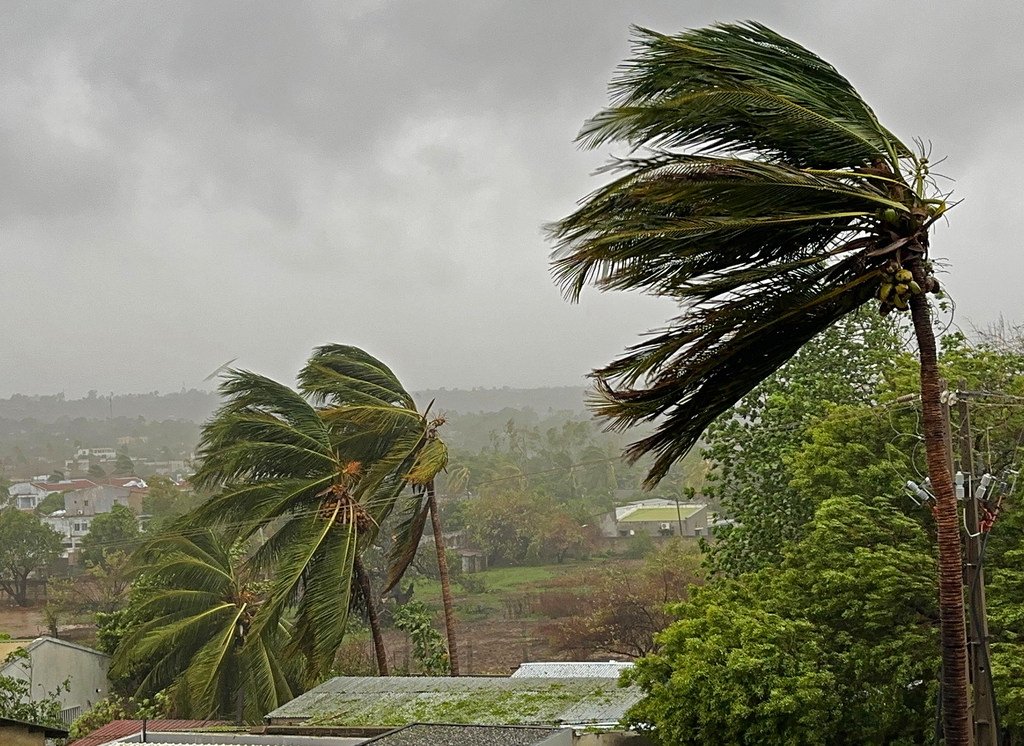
column 121, row 728
column 426, row 734
column 662, row 514
column 475, row 700
column 237, row 739
column 572, row 669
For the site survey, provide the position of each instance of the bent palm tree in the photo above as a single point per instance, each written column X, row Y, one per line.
column 771, row 203
column 281, row 468
column 363, row 396
column 195, row 639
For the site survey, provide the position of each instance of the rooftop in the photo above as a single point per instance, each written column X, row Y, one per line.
column 426, row 734
column 662, row 514
column 469, row 700
column 48, row 730
column 123, row 729
column 572, row 669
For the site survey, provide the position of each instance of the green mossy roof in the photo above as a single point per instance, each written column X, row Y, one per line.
column 381, row 701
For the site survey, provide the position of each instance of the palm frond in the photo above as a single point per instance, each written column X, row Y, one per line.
column 739, row 88
column 313, row 575
column 343, row 374
column 430, row 461
column 406, row 540
column 766, row 205
column 678, row 218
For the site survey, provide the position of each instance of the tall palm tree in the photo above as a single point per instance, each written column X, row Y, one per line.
column 361, row 394
column 280, row 469
column 770, row 202
column 194, row 640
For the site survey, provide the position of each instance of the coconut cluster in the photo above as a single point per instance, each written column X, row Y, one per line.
column 899, row 284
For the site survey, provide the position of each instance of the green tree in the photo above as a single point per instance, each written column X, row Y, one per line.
column 1004, row 566
column 364, row 398
column 280, row 468
column 752, row 445
column 837, row 645
column 124, row 467
column 96, row 471
column 116, row 531
column 194, row 635
column 50, row 503
column 27, row 546
column 428, row 647
column 164, row 501
column 774, row 203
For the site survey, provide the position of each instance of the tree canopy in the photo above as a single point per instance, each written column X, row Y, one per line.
column 27, row 546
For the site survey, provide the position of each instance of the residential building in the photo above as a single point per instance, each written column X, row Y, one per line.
column 96, row 454
column 19, row 733
column 82, row 506
column 656, row 517
column 48, row 662
column 28, row 495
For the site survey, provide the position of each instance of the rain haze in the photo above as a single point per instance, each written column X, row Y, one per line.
column 187, row 183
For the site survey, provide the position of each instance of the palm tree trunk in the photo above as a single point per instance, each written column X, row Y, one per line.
column 952, row 632
column 363, row 579
column 446, row 587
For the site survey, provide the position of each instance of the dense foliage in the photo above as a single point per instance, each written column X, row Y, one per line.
column 27, row 547
column 191, row 634
column 836, row 645
column 116, row 531
column 753, row 445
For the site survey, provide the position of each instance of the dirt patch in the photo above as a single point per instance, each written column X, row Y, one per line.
column 22, row 622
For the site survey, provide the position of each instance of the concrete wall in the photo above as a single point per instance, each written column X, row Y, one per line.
column 20, row 735
column 52, row 661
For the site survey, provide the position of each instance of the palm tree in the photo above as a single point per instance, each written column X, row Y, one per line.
column 770, row 202
column 194, row 639
column 282, row 471
column 361, row 394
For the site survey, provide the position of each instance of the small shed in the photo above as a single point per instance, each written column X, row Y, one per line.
column 20, row 733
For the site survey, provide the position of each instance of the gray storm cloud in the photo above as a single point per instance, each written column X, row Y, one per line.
column 185, row 183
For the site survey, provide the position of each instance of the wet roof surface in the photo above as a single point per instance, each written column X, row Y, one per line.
column 421, row 734
column 483, row 700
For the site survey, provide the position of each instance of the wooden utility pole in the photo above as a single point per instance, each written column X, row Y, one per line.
column 983, row 709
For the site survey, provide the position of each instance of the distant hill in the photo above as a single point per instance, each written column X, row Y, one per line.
column 196, row 406
column 542, row 401
column 191, row 406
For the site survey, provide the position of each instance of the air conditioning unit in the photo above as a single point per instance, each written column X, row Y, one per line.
column 666, row 527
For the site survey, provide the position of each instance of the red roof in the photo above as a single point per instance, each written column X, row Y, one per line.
column 122, row 728
column 71, row 484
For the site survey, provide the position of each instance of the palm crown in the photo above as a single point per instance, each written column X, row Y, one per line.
column 318, row 471
column 770, row 203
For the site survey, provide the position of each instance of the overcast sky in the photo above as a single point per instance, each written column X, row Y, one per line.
column 186, row 183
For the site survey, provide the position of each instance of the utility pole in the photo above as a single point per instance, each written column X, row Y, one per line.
column 679, row 516
column 984, row 717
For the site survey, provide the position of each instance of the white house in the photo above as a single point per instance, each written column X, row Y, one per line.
column 656, row 517
column 48, row 662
